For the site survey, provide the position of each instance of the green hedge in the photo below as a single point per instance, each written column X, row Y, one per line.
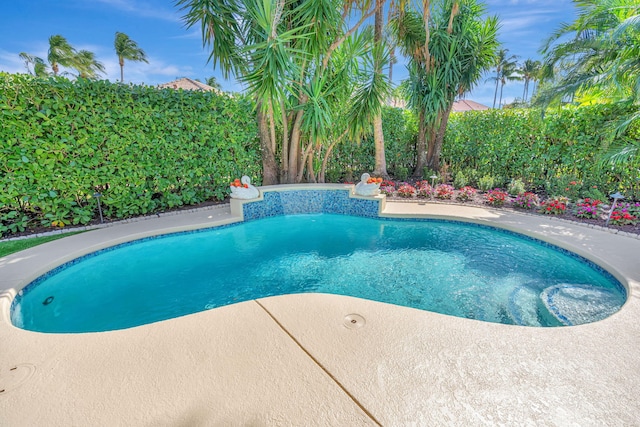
column 144, row 149
column 546, row 152
column 147, row 150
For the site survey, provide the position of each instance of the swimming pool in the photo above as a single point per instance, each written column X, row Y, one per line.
column 453, row 268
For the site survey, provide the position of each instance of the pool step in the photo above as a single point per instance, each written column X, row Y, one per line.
column 521, row 310
column 575, row 304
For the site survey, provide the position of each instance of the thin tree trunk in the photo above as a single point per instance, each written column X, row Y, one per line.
column 431, row 144
column 269, row 165
column 325, row 160
column 284, row 156
column 421, row 146
column 500, row 102
column 380, row 167
column 272, row 126
column 307, row 151
column 495, row 93
column 294, row 149
column 533, row 89
column 311, row 175
column 435, row 158
column 378, row 138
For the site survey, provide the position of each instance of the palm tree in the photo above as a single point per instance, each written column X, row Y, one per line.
column 284, row 53
column 39, row 67
column 502, row 61
column 529, row 71
column 598, row 55
column 60, row 53
column 87, row 65
column 380, row 167
column 447, row 58
column 508, row 73
column 127, row 49
column 213, row 82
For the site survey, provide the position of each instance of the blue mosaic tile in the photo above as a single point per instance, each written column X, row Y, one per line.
column 309, row 201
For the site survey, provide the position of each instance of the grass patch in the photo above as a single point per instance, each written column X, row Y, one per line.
column 13, row 246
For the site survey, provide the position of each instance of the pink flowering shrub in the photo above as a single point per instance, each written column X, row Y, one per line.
column 443, row 191
column 624, row 214
column 495, row 197
column 466, row 193
column 406, row 191
column 526, row 201
column 554, row 206
column 387, row 188
column 587, row 208
column 423, row 189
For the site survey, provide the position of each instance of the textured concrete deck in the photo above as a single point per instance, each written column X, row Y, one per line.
column 289, row 360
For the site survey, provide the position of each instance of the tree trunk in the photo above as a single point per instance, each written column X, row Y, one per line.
column 431, row 143
column 495, row 93
column 378, row 138
column 434, row 160
column 311, row 175
column 308, row 151
column 294, row 150
column 269, row 165
column 500, row 102
column 380, row 167
column 421, row 146
column 325, row 160
column 284, row 155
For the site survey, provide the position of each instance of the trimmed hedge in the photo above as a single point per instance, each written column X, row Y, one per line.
column 144, row 149
column 547, row 153
column 147, row 150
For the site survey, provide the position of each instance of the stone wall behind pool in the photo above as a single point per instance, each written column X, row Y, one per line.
column 310, row 201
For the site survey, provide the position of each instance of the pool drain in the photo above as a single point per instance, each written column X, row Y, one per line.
column 354, row 321
column 14, row 377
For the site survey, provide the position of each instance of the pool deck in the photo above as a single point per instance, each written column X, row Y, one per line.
column 290, row 360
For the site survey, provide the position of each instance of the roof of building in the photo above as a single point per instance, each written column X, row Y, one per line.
column 467, row 105
column 188, row 84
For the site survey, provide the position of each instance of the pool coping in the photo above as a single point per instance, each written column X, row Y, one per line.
column 292, row 360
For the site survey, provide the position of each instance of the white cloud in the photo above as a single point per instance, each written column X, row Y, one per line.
column 11, row 63
column 191, row 35
column 143, row 9
column 525, row 22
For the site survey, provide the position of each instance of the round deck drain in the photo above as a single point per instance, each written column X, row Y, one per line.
column 14, row 377
column 354, row 321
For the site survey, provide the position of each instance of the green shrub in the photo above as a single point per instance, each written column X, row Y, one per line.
column 515, row 187
column 428, row 173
column 593, row 192
column 144, row 149
column 565, row 142
column 460, row 180
column 401, row 173
column 486, row 183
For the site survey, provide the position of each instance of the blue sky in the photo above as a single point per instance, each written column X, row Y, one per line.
column 174, row 51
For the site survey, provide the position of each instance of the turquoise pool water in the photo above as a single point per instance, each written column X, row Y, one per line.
column 446, row 267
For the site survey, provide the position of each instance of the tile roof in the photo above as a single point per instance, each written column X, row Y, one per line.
column 188, row 84
column 467, row 105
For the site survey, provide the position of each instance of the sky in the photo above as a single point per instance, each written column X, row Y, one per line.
column 174, row 51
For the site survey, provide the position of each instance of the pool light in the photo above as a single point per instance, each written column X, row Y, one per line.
column 615, row 196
